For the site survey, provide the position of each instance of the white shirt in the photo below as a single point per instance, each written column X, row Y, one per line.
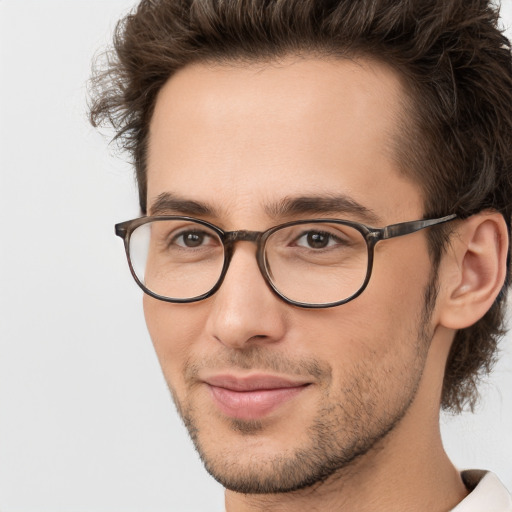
column 487, row 494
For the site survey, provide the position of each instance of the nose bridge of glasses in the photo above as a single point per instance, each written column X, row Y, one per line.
column 231, row 237
column 243, row 236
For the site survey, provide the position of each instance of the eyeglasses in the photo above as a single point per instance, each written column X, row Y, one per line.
column 316, row 263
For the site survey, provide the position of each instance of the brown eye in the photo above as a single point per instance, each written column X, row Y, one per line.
column 317, row 240
column 192, row 239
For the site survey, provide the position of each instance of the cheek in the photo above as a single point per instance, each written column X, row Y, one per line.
column 380, row 327
column 395, row 297
column 401, row 267
column 174, row 330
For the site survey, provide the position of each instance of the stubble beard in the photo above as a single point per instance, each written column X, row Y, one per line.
column 341, row 434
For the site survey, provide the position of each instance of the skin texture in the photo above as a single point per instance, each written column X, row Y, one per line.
column 362, row 431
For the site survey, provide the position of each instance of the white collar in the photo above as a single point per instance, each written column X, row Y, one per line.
column 487, row 494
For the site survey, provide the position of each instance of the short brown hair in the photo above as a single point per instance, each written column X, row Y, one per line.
column 453, row 57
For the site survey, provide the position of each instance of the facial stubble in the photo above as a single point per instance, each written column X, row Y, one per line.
column 341, row 433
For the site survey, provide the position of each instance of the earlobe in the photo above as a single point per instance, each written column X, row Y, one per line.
column 475, row 264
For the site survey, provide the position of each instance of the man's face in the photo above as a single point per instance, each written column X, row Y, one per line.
column 278, row 397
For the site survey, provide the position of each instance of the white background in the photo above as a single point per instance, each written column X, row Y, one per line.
column 86, row 423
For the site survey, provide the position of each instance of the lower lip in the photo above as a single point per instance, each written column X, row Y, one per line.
column 252, row 405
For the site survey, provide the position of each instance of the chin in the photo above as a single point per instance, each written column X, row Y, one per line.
column 249, row 461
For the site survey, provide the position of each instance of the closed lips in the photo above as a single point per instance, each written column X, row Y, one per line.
column 252, row 397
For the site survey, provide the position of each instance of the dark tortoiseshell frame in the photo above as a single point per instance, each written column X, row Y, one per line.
column 229, row 238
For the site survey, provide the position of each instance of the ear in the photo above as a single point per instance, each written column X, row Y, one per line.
column 473, row 269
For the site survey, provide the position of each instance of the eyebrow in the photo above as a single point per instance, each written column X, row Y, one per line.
column 322, row 205
column 168, row 203
column 171, row 204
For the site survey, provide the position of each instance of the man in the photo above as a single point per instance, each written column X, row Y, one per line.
column 326, row 191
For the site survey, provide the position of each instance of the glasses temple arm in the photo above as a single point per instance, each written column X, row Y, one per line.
column 405, row 228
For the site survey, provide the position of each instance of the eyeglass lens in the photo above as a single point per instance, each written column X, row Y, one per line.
column 313, row 263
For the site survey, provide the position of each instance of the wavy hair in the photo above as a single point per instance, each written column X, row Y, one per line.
column 456, row 139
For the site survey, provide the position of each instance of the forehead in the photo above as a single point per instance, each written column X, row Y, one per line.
column 240, row 137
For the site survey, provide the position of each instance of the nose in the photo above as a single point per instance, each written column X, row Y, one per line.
column 244, row 311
